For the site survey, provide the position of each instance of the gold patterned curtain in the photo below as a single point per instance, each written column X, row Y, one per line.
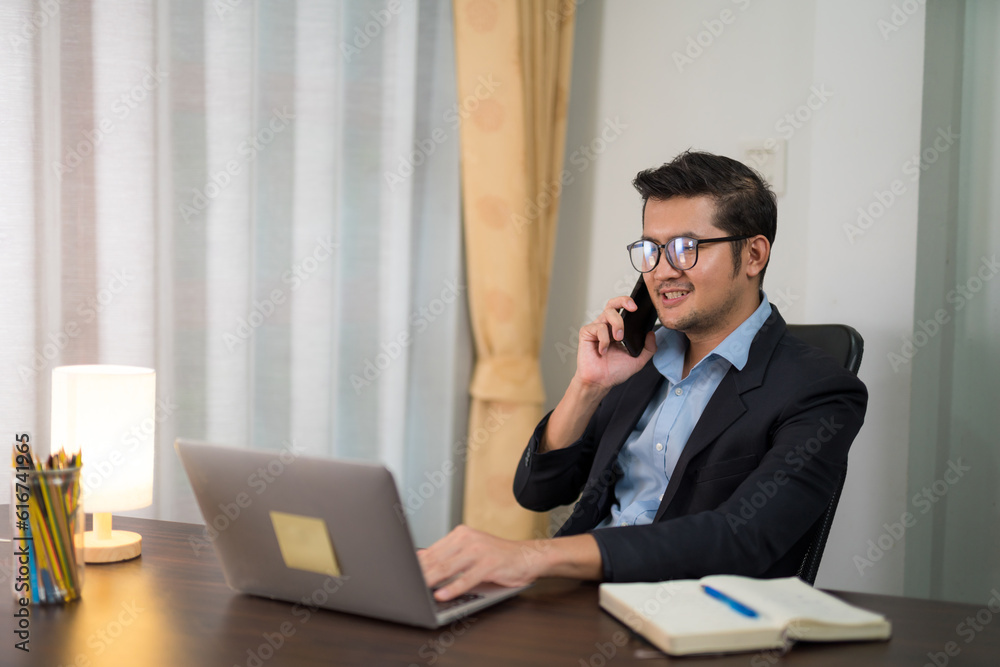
column 513, row 67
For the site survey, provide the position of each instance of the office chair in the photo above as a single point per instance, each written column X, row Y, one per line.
column 847, row 346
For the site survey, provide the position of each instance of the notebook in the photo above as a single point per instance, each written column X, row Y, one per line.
column 682, row 618
column 317, row 533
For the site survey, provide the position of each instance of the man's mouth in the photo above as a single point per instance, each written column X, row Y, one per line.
column 673, row 295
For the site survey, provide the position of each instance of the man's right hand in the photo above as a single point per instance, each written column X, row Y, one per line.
column 601, row 360
column 601, row 363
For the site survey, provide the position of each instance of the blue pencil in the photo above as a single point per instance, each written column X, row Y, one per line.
column 32, row 573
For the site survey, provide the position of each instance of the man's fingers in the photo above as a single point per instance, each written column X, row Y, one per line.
column 649, row 345
column 462, row 584
column 603, row 338
column 648, row 348
column 458, row 569
column 432, row 568
column 596, row 332
column 439, row 571
column 615, row 321
column 617, row 302
column 612, row 319
column 439, row 561
column 466, row 557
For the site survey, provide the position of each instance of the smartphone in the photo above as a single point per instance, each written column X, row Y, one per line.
column 639, row 322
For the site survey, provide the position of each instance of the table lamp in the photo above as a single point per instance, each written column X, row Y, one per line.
column 108, row 414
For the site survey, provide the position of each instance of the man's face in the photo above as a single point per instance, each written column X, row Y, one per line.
column 706, row 298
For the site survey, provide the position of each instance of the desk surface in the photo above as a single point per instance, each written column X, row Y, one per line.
column 172, row 607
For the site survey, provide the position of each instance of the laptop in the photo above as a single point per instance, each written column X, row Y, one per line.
column 319, row 533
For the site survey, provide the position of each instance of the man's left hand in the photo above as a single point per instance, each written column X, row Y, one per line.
column 475, row 557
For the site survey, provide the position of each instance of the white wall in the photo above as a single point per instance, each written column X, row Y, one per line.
column 764, row 61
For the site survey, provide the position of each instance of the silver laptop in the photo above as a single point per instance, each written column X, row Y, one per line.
column 317, row 532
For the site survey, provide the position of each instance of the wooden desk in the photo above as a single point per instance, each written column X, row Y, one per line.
column 172, row 607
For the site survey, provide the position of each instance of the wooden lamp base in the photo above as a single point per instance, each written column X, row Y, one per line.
column 103, row 545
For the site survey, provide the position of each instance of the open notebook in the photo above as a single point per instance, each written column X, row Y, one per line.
column 680, row 618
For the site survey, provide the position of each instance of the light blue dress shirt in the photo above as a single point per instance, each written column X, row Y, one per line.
column 649, row 455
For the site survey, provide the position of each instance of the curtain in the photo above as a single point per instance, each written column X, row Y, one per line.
column 952, row 349
column 513, row 62
column 259, row 200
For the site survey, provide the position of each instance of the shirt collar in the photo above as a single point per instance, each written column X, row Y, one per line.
column 735, row 348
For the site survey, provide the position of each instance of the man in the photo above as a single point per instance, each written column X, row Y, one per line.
column 713, row 451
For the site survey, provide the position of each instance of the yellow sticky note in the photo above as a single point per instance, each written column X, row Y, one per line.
column 305, row 543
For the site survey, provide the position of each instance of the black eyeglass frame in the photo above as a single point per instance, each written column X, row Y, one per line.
column 661, row 250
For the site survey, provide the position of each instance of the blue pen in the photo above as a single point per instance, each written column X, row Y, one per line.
column 736, row 606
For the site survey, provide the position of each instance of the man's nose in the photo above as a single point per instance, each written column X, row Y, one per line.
column 664, row 269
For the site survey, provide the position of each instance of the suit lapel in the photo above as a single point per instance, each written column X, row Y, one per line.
column 726, row 405
column 722, row 410
column 636, row 395
column 631, row 405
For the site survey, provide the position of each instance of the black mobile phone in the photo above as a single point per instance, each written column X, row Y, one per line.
column 640, row 321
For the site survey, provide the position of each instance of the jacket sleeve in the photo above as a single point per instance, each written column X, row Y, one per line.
column 545, row 481
column 768, row 513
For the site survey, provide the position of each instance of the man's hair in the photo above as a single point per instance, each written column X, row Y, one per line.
column 744, row 204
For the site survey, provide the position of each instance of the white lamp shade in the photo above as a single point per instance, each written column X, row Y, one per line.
column 108, row 414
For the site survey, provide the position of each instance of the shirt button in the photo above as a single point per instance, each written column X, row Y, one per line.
column 659, row 446
column 623, row 523
column 661, row 497
column 678, row 391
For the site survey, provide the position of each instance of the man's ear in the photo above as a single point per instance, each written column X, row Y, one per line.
column 758, row 251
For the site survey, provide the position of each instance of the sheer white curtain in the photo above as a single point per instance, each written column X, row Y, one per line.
column 258, row 199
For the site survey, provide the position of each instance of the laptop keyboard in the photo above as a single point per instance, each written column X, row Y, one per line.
column 461, row 599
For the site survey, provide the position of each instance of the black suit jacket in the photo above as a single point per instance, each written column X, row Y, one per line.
column 760, row 467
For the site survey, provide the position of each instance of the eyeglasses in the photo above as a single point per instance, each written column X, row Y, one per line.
column 682, row 252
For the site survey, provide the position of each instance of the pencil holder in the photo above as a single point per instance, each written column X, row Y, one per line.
column 47, row 536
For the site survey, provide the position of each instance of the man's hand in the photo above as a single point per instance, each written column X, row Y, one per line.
column 601, row 360
column 477, row 557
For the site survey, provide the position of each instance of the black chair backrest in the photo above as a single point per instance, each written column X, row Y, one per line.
column 847, row 346
column 840, row 341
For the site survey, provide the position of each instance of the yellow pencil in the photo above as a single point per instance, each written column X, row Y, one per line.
column 47, row 533
column 60, row 533
column 41, row 553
